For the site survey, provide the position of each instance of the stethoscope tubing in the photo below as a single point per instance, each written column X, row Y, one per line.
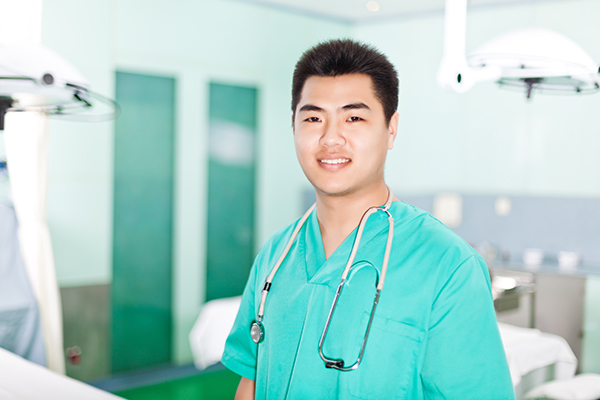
column 338, row 363
column 349, row 264
column 267, row 286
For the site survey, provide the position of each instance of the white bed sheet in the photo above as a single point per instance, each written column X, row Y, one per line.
column 535, row 357
column 23, row 380
column 211, row 329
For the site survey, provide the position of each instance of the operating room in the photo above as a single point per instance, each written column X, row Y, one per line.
column 154, row 215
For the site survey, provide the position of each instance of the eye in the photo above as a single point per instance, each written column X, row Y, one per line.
column 354, row 119
column 312, row 119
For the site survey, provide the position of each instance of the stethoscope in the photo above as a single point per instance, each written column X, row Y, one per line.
column 257, row 331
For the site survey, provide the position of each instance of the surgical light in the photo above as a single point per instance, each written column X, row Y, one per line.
column 530, row 59
column 33, row 78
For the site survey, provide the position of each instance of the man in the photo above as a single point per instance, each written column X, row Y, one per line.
column 433, row 334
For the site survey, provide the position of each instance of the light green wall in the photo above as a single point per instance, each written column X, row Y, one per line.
column 81, row 154
column 591, row 316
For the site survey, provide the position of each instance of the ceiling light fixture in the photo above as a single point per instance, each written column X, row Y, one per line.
column 33, row 78
column 531, row 59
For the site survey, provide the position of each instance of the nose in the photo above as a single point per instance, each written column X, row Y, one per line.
column 333, row 135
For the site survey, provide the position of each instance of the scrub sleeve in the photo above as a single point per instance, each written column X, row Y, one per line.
column 240, row 351
column 464, row 359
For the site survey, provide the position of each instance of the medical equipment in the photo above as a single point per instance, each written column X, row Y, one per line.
column 33, row 78
column 257, row 331
column 531, row 59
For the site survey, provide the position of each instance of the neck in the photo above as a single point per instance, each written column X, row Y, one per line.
column 339, row 215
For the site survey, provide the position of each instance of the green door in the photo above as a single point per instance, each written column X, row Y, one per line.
column 143, row 217
column 231, row 170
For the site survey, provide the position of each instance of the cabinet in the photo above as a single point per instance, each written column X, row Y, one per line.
column 555, row 306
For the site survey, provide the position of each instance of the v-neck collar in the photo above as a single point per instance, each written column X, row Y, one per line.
column 320, row 271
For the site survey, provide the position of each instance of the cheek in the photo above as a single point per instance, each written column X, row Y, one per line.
column 373, row 149
column 302, row 146
column 374, row 155
column 298, row 143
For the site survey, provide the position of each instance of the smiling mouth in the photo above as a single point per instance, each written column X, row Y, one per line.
column 335, row 161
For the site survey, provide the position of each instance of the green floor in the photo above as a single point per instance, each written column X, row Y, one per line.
column 215, row 385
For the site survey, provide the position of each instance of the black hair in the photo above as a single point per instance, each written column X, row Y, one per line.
column 344, row 57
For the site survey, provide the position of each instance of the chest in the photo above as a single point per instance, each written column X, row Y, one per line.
column 296, row 314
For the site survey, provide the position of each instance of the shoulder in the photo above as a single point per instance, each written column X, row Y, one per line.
column 441, row 250
column 425, row 230
column 276, row 243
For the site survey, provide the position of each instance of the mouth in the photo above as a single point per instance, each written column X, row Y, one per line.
column 335, row 161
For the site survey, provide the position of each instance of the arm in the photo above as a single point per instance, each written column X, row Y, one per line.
column 245, row 390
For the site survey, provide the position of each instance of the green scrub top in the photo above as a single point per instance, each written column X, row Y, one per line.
column 434, row 334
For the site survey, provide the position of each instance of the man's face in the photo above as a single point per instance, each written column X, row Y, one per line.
column 341, row 134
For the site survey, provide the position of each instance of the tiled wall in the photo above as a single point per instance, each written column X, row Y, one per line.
column 552, row 224
column 86, row 324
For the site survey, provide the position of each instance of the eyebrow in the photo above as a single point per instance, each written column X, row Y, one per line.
column 353, row 106
column 311, row 107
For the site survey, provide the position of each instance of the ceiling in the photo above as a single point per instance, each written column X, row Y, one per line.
column 355, row 11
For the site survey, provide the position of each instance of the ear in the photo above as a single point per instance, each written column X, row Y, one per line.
column 393, row 130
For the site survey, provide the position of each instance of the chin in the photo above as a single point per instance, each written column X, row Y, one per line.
column 333, row 190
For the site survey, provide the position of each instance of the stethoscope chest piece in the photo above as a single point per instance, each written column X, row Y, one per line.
column 257, row 332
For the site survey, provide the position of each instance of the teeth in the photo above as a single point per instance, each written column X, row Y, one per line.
column 336, row 161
